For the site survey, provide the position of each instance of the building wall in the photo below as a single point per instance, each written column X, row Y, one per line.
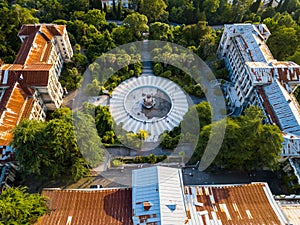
column 64, row 46
column 39, row 109
column 255, row 74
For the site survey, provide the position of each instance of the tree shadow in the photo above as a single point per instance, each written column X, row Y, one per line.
column 118, row 205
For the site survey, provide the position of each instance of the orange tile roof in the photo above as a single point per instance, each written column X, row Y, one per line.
column 93, row 207
column 20, row 67
column 55, row 29
column 234, row 204
column 33, row 75
column 37, row 45
column 15, row 105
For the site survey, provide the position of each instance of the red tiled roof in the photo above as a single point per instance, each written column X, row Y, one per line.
column 14, row 105
column 235, row 204
column 93, row 207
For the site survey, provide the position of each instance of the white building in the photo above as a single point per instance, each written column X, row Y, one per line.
column 259, row 79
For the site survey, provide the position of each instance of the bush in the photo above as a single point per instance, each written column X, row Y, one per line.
column 152, row 159
column 117, row 162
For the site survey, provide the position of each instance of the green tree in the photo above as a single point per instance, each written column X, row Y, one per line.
column 19, row 207
column 103, row 118
column 153, row 9
column 211, row 5
column 248, row 144
column 160, row 31
column 282, row 42
column 289, row 6
column 296, row 57
column 119, row 12
column 122, row 35
column 142, row 134
column 96, row 18
column 12, row 17
column 31, row 151
column 93, row 89
column 255, row 6
column 80, row 61
column 152, row 159
column 239, row 8
column 88, row 141
column 137, row 24
column 70, row 78
column 55, row 146
column 204, row 112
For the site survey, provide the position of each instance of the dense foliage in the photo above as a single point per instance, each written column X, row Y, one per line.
column 152, row 159
column 248, row 143
column 221, row 11
column 203, row 110
column 50, row 149
column 111, row 133
column 19, row 207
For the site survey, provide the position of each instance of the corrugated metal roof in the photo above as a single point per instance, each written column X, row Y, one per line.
column 32, row 75
column 158, row 197
column 28, row 29
column 245, row 204
column 250, row 39
column 285, row 109
column 37, row 45
column 161, row 187
column 15, row 105
column 292, row 212
column 87, row 206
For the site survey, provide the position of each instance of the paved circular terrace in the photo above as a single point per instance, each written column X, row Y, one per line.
column 150, row 103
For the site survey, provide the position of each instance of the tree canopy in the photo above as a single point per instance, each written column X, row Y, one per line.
column 19, row 207
column 50, row 149
column 248, row 143
column 137, row 24
column 154, row 9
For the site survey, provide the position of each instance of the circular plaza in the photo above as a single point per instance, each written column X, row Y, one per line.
column 149, row 103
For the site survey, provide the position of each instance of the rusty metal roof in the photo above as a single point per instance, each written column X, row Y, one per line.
column 37, row 44
column 32, row 75
column 284, row 108
column 30, row 69
column 236, row 204
column 28, row 29
column 15, row 105
column 292, row 212
column 290, row 205
column 88, row 206
column 232, row 204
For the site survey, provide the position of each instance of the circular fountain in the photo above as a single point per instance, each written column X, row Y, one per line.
column 150, row 103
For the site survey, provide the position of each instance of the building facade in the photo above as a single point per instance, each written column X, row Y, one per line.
column 259, row 79
column 29, row 87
